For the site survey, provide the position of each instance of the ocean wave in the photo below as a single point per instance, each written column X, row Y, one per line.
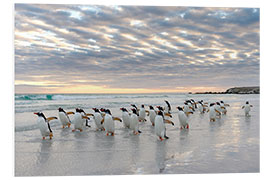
column 29, row 97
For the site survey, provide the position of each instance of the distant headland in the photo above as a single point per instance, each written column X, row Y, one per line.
column 236, row 90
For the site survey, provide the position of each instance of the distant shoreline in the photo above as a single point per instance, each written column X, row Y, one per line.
column 236, row 90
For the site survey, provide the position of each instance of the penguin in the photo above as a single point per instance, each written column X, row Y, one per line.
column 246, row 108
column 79, row 117
column 125, row 117
column 142, row 114
column 183, row 119
column 168, row 107
column 160, row 128
column 44, row 125
column 201, row 107
column 152, row 115
column 223, row 108
column 98, row 119
column 212, row 112
column 134, row 122
column 108, row 123
column 63, row 117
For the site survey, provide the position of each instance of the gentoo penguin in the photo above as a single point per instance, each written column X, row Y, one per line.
column 63, row 117
column 44, row 125
column 160, row 129
column 223, row 108
column 183, row 119
column 134, row 122
column 246, row 108
column 142, row 114
column 98, row 120
column 79, row 117
column 125, row 117
column 152, row 115
column 167, row 108
column 108, row 123
column 86, row 119
column 212, row 112
column 201, row 107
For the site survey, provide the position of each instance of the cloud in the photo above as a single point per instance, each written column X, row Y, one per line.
column 136, row 46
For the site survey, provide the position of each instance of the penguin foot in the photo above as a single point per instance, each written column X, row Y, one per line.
column 187, row 126
column 80, row 130
column 43, row 138
column 160, row 138
column 51, row 135
column 112, row 134
column 153, row 124
column 63, row 127
column 107, row 134
column 69, row 125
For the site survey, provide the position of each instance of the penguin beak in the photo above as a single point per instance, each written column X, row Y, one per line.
column 36, row 113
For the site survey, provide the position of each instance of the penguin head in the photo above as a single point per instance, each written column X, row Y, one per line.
column 247, row 102
column 179, row 108
column 212, row 104
column 218, row 103
column 160, row 113
column 102, row 109
column 40, row 114
column 185, row 103
column 133, row 105
column 142, row 105
column 134, row 111
column 221, row 102
column 123, row 109
column 151, row 107
column 77, row 110
column 160, row 108
column 60, row 109
column 108, row 111
column 95, row 109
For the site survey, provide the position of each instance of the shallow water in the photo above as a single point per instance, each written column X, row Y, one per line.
column 229, row 145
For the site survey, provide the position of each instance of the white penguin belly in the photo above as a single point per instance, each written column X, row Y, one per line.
column 63, row 118
column 159, row 126
column 108, row 123
column 182, row 118
column 78, row 121
column 152, row 116
column 43, row 127
column 134, row 122
column 98, row 118
column 126, row 119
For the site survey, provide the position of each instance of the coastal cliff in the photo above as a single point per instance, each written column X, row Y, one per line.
column 243, row 90
column 237, row 90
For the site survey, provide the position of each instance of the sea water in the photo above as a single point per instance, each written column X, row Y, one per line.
column 229, row 145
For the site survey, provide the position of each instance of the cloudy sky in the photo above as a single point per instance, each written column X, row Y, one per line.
column 134, row 49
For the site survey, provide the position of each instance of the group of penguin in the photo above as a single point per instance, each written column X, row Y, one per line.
column 104, row 120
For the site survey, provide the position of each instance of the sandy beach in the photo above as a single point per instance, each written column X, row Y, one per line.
column 229, row 145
